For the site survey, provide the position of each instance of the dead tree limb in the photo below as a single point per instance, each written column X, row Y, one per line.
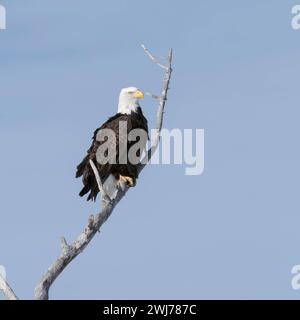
column 7, row 290
column 105, row 198
column 70, row 252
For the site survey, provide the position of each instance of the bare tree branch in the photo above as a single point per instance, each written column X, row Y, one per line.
column 70, row 252
column 154, row 96
column 7, row 290
column 105, row 197
column 161, row 109
column 155, row 60
column 64, row 246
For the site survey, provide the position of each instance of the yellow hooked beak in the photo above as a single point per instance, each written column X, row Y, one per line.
column 139, row 94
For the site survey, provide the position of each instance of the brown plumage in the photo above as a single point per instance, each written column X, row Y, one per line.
column 134, row 120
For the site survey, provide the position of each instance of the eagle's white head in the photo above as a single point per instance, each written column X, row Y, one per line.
column 129, row 100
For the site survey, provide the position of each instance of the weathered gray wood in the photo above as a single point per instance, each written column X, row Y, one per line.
column 7, row 290
column 70, row 252
column 105, row 198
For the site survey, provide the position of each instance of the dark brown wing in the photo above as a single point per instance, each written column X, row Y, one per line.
column 110, row 165
column 84, row 169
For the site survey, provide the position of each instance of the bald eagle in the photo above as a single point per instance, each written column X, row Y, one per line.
column 112, row 170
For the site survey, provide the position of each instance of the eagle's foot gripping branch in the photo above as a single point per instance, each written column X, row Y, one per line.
column 131, row 182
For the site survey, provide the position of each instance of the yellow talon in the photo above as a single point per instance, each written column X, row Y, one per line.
column 128, row 180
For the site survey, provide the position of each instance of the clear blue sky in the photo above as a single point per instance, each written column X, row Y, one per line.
column 232, row 232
